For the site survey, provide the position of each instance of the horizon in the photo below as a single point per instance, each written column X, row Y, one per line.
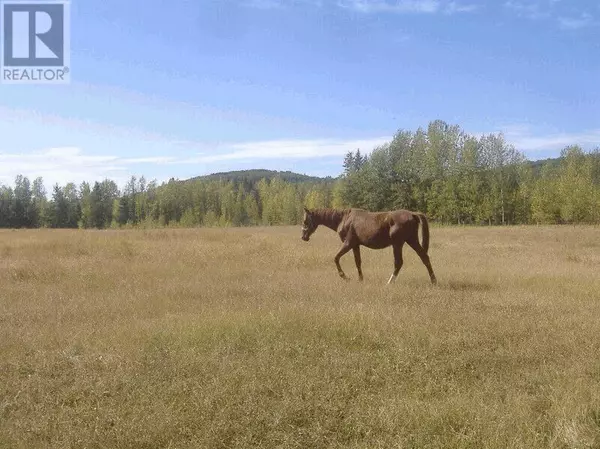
column 207, row 175
column 293, row 85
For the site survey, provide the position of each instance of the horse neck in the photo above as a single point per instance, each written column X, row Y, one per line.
column 329, row 217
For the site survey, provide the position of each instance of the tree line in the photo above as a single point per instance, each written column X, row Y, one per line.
column 454, row 177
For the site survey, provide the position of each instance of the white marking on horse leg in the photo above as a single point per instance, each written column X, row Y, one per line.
column 392, row 279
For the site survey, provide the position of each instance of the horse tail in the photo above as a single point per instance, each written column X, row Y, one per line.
column 425, row 224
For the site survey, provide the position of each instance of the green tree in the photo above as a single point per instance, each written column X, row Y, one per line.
column 73, row 205
column 23, row 210
column 60, row 210
column 40, row 204
column 576, row 187
column 252, row 210
column 545, row 203
column 7, row 218
column 85, row 200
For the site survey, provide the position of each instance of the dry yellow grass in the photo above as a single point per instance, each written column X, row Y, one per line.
column 178, row 339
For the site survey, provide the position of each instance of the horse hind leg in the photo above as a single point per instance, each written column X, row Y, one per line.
column 357, row 260
column 397, row 261
column 414, row 244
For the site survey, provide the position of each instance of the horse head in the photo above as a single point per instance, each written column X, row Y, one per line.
column 308, row 225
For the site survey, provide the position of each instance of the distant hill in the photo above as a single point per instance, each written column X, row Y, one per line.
column 537, row 165
column 256, row 175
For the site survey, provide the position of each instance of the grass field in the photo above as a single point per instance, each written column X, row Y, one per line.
column 215, row 338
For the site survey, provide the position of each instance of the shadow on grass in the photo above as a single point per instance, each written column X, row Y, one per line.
column 458, row 285
column 468, row 286
column 573, row 258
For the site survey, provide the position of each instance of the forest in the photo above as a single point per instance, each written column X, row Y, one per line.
column 453, row 177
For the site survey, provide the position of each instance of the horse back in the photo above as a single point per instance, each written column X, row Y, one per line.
column 381, row 219
column 371, row 229
column 401, row 216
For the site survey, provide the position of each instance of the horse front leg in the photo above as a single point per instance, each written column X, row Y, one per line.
column 337, row 258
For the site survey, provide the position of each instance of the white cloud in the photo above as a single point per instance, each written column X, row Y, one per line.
column 60, row 165
column 290, row 149
column 527, row 9
column 374, row 6
column 407, row 6
column 532, row 143
column 264, row 4
column 148, row 160
column 278, row 4
column 397, row 6
column 575, row 23
column 71, row 164
column 454, row 7
column 551, row 9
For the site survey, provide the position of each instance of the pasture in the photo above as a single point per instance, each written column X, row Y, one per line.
column 247, row 337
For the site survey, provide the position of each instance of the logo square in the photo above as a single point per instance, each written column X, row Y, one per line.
column 35, row 41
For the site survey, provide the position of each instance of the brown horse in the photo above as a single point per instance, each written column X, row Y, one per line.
column 375, row 230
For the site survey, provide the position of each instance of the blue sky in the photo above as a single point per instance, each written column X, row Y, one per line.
column 179, row 88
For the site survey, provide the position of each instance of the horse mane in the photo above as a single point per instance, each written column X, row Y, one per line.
column 327, row 215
